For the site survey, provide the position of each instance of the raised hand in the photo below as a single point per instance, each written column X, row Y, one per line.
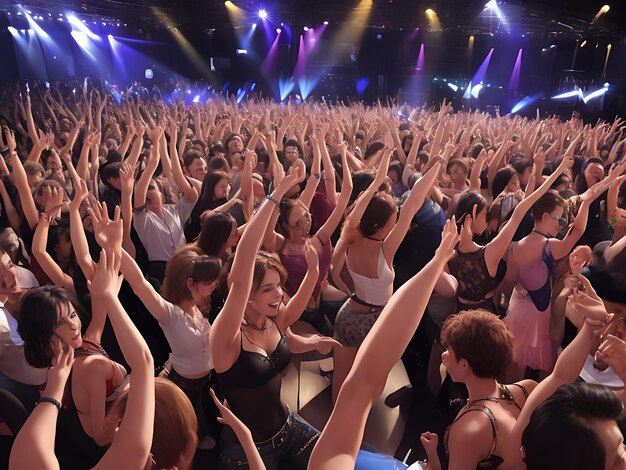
column 59, row 371
column 612, row 351
column 588, row 304
column 80, row 193
column 579, row 258
column 106, row 280
column 54, row 201
column 449, row 239
column 127, row 177
column 108, row 232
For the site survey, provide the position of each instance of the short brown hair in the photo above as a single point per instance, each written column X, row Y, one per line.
column 262, row 263
column 547, row 203
column 188, row 262
column 482, row 339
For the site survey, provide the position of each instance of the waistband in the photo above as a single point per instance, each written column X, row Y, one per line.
column 366, row 304
column 188, row 384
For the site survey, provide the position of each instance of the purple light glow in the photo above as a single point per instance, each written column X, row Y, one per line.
column 271, row 60
column 420, row 58
column 479, row 76
column 514, row 81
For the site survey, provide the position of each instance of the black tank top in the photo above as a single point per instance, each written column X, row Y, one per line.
column 252, row 388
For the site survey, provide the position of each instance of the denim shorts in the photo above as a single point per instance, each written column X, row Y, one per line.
column 289, row 448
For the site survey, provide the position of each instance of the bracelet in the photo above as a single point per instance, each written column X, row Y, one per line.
column 270, row 198
column 51, row 401
column 316, row 175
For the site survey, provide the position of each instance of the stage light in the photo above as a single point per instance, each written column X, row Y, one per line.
column 433, row 19
column 491, row 4
column 601, row 11
column 582, row 44
column 595, row 94
column 149, row 74
column 476, row 90
column 379, row 36
column 306, row 28
column 241, row 51
column 453, row 86
column 278, row 30
column 326, row 22
column 568, row 94
column 263, row 14
column 228, row 3
column 430, row 11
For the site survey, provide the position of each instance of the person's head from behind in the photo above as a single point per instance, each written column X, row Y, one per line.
column 110, row 175
column 505, row 180
column 379, row 217
column 548, row 213
column 477, row 343
column 190, row 275
column 218, row 234
column 195, row 165
column 523, row 166
column 266, row 295
column 48, row 320
column 575, row 428
column 175, row 437
column 465, row 208
column 35, row 173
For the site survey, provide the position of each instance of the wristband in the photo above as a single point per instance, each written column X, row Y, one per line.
column 270, row 198
column 316, row 175
column 51, row 401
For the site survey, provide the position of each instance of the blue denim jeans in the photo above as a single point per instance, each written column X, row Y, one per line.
column 290, row 448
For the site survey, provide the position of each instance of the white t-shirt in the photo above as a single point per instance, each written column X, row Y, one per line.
column 189, row 341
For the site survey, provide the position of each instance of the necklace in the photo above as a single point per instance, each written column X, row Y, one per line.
column 250, row 324
column 505, row 394
column 542, row 234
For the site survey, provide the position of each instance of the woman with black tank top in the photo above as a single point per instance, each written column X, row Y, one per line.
column 248, row 342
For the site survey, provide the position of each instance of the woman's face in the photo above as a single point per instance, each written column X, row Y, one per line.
column 201, row 292
column 514, row 184
column 235, row 145
column 68, row 326
column 594, row 173
column 233, row 238
column 221, row 189
column 298, row 224
column 269, row 296
column 458, row 175
column 613, row 441
column 8, row 274
column 53, row 164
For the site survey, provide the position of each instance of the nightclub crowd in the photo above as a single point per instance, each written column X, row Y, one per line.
column 162, row 264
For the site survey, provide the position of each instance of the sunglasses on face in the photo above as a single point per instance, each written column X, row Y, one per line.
column 562, row 222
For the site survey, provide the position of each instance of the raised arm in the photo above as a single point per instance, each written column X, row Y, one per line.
column 291, row 312
column 316, row 172
column 325, row 231
column 225, row 331
column 34, row 444
column 413, row 203
column 77, row 231
column 141, row 188
column 21, row 182
column 495, row 250
column 341, row 438
column 132, row 442
column 477, row 170
column 54, row 200
column 108, row 237
column 127, row 180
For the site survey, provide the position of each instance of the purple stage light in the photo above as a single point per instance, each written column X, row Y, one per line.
column 514, row 81
column 263, row 14
column 361, row 85
column 420, row 58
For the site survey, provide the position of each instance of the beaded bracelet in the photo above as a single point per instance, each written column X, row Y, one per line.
column 51, row 401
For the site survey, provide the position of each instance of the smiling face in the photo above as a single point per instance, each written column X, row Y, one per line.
column 8, row 274
column 268, row 297
column 68, row 326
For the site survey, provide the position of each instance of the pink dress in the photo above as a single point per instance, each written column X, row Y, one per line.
column 528, row 317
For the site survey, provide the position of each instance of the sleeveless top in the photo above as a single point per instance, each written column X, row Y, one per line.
column 470, row 270
column 492, row 461
column 296, row 268
column 375, row 291
column 252, row 388
column 91, row 348
column 536, row 279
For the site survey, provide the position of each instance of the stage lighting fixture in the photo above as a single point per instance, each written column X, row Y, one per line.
column 491, row 4
column 149, row 74
column 241, row 51
column 228, row 3
column 476, row 90
column 379, row 36
column 278, row 30
column 326, row 22
column 430, row 11
column 582, row 44
column 595, row 94
column 306, row 28
column 453, row 86
column 263, row 14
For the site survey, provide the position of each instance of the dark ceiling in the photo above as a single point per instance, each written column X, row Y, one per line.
column 522, row 17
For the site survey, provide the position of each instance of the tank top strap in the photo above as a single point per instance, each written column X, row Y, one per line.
column 523, row 389
column 483, row 409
